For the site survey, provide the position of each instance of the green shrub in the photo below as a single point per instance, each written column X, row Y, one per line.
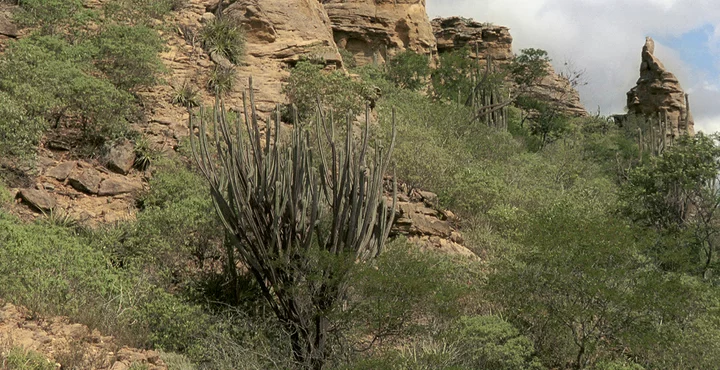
column 489, row 342
column 172, row 324
column 49, row 77
column 128, row 55
column 409, row 70
column 225, row 37
column 19, row 132
column 348, row 58
column 52, row 15
column 50, row 270
column 337, row 92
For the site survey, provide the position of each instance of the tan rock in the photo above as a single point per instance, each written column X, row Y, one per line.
column 374, row 30
column 61, row 171
column 38, row 199
column 87, row 181
column 658, row 91
column 7, row 27
column 121, row 158
column 285, row 30
column 118, row 185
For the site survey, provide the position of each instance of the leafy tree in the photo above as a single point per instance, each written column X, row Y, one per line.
column 580, row 290
column 528, row 68
column 271, row 202
column 338, row 93
column 452, row 79
column 409, row 70
column 677, row 192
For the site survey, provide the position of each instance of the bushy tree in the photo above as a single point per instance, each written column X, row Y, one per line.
column 409, row 70
column 452, row 79
column 677, row 193
column 337, row 92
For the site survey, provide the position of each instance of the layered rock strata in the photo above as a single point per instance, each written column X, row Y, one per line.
column 373, row 30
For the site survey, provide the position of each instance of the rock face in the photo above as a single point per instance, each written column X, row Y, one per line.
column 658, row 91
column 373, row 30
column 279, row 33
column 487, row 41
column 484, row 40
column 286, row 30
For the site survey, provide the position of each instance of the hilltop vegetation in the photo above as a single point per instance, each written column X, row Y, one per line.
column 594, row 253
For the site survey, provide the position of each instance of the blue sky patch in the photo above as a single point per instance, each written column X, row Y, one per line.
column 694, row 48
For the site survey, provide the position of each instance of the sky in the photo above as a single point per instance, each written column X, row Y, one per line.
column 605, row 38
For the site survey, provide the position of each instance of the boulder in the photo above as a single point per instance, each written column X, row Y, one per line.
column 118, row 185
column 374, row 30
column 38, row 199
column 61, row 171
column 121, row 158
column 658, row 93
column 87, row 181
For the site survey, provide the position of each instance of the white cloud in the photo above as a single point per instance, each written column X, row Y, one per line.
column 605, row 37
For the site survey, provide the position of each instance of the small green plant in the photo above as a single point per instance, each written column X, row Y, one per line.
column 145, row 154
column 222, row 80
column 186, row 95
column 60, row 218
column 19, row 132
column 20, row 359
column 225, row 37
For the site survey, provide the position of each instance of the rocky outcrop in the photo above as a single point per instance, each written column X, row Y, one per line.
column 373, row 30
column 279, row 33
column 483, row 40
column 67, row 345
column 658, row 92
column 418, row 218
column 487, row 41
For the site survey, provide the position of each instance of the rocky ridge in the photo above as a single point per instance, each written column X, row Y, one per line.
column 658, row 92
column 487, row 41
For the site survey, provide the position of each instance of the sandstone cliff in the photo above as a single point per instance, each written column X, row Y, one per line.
column 373, row 30
column 658, row 91
column 489, row 41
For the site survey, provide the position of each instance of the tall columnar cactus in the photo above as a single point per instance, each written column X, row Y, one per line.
column 298, row 226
